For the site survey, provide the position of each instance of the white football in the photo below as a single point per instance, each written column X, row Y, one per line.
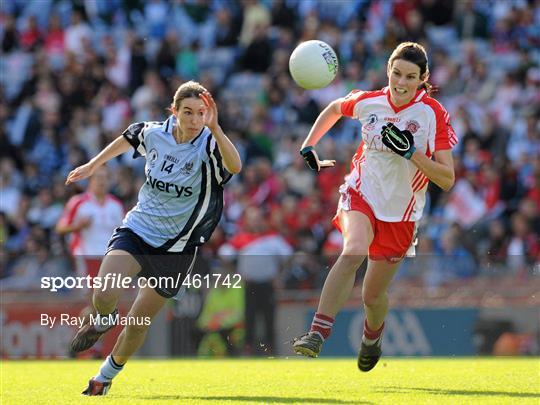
column 313, row 64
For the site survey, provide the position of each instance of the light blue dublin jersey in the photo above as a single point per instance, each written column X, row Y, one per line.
column 181, row 201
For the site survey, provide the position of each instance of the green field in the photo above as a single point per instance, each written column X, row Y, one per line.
column 285, row 381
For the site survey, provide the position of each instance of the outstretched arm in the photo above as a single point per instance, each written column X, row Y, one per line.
column 326, row 120
column 117, row 147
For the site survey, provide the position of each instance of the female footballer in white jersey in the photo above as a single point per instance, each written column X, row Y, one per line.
column 188, row 159
column 384, row 194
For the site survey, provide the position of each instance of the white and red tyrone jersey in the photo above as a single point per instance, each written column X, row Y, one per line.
column 393, row 186
column 92, row 240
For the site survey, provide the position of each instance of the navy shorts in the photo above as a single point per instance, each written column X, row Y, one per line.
column 167, row 269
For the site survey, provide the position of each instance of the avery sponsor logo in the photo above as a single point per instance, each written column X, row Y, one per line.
column 169, row 187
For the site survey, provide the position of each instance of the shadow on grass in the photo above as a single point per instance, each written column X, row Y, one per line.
column 438, row 391
column 252, row 398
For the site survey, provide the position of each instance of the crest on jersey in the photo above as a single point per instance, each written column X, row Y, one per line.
column 152, row 157
column 371, row 121
column 412, row 126
column 187, row 169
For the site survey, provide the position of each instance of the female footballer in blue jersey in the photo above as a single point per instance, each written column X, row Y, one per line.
column 188, row 159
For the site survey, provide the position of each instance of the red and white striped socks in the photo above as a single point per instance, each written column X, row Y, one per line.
column 322, row 325
column 371, row 336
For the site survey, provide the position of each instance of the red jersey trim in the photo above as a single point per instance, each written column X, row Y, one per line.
column 445, row 136
column 419, row 181
column 72, row 206
column 354, row 97
column 417, row 97
column 242, row 240
column 356, row 162
column 70, row 211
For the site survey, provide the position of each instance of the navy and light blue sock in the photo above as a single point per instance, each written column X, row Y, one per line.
column 108, row 370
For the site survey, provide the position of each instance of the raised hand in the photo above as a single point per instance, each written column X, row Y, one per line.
column 312, row 159
column 211, row 119
column 400, row 142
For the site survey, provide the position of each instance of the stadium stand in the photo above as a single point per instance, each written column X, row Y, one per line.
column 75, row 74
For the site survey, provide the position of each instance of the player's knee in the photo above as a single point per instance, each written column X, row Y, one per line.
column 355, row 251
column 373, row 299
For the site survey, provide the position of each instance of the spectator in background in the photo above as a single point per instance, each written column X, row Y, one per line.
column 258, row 53
column 226, row 28
column 44, row 211
column 523, row 247
column 76, row 34
column 260, row 254
column 470, row 23
column 90, row 219
column 156, row 14
column 494, row 251
column 54, row 42
column 454, row 262
column 256, row 19
column 10, row 187
column 31, row 36
column 10, row 37
column 298, row 181
column 28, row 269
column 138, row 64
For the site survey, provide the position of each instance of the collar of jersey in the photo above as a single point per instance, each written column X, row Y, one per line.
column 91, row 196
column 168, row 126
column 417, row 97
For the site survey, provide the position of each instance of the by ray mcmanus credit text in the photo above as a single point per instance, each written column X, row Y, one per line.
column 78, row 321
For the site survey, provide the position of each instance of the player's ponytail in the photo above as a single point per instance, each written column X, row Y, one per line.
column 414, row 53
column 428, row 87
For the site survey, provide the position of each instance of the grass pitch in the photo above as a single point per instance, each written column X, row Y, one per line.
column 280, row 381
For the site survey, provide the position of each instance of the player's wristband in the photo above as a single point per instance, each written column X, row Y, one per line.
column 310, row 156
column 306, row 150
column 410, row 152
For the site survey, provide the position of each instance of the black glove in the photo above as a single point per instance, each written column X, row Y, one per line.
column 312, row 160
column 400, row 142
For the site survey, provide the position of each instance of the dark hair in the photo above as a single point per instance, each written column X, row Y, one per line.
column 414, row 53
column 187, row 90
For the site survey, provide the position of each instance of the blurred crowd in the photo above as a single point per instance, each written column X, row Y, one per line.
column 75, row 74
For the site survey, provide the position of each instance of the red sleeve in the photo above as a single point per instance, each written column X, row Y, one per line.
column 349, row 101
column 445, row 136
column 71, row 210
column 354, row 97
column 240, row 240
